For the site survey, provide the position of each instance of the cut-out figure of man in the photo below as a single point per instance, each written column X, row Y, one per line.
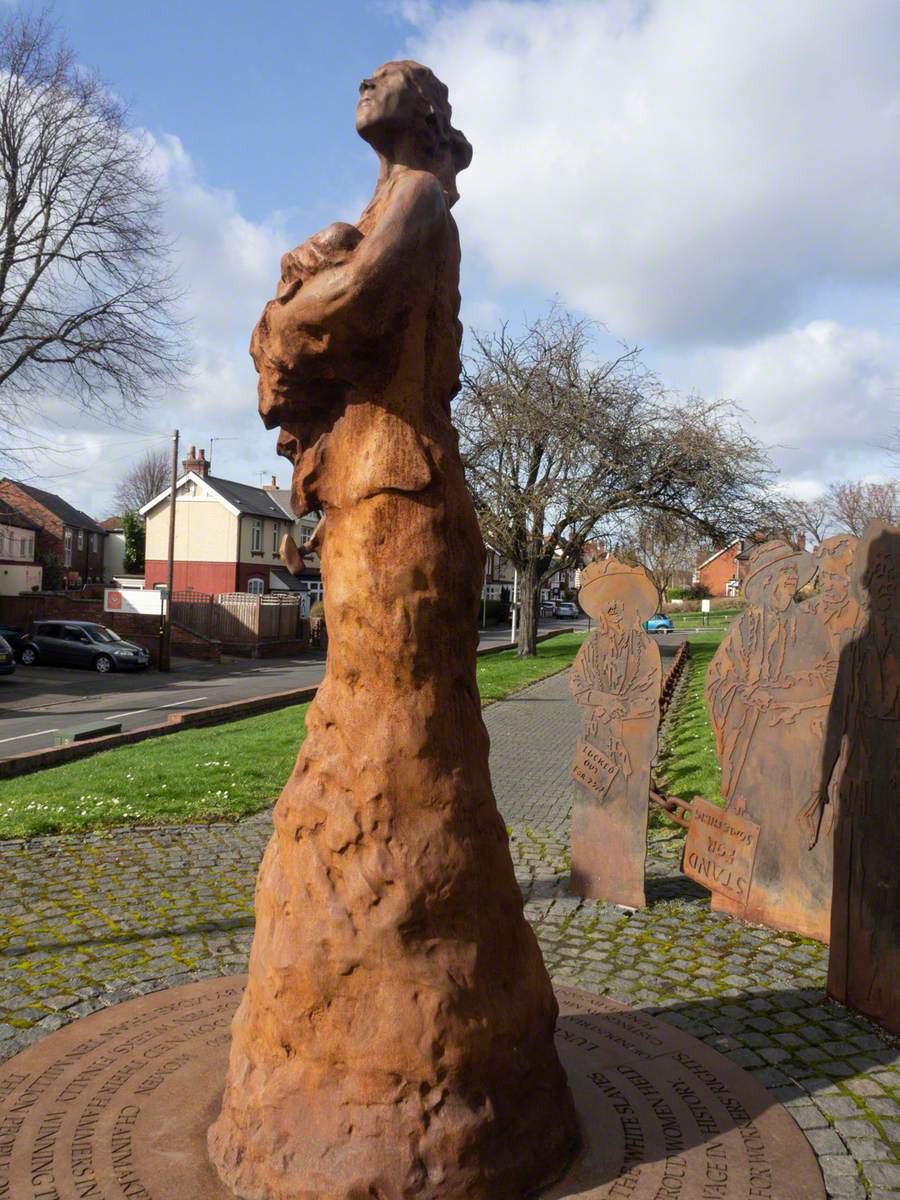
column 617, row 678
column 768, row 690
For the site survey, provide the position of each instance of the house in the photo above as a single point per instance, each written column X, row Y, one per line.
column 720, row 573
column 227, row 536
column 66, row 533
column 18, row 570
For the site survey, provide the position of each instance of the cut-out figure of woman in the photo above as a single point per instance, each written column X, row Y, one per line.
column 616, row 677
column 768, row 690
column 863, row 741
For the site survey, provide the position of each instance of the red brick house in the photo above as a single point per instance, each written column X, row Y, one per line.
column 720, row 574
column 70, row 535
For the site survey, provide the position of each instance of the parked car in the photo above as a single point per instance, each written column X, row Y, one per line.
column 548, row 608
column 13, row 635
column 7, row 658
column 566, row 608
column 81, row 644
column 659, row 623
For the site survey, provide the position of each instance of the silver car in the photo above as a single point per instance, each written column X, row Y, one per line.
column 81, row 644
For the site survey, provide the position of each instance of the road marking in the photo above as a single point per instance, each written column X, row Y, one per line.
column 175, row 703
column 132, row 712
column 19, row 736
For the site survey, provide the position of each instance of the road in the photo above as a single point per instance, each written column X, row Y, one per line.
column 37, row 702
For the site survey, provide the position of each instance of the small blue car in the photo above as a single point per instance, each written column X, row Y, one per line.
column 659, row 623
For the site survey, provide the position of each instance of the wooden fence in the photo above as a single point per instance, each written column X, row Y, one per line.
column 239, row 617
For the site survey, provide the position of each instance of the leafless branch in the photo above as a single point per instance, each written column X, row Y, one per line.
column 147, row 478
column 87, row 299
column 556, row 445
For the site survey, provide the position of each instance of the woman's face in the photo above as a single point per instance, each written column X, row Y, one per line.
column 784, row 588
column 386, row 106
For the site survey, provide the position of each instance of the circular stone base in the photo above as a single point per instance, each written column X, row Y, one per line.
column 116, row 1106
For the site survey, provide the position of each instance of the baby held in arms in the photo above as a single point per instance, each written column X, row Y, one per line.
column 329, row 248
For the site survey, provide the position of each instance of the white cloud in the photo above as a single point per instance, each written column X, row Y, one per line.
column 825, row 397
column 227, row 266
column 686, row 170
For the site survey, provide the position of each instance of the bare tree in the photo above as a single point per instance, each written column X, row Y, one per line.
column 555, row 445
column 665, row 545
column 855, row 504
column 87, row 303
column 147, row 478
column 813, row 518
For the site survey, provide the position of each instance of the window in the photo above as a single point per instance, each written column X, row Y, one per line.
column 256, row 533
column 80, row 539
column 276, row 529
column 93, row 543
column 256, row 586
column 67, row 548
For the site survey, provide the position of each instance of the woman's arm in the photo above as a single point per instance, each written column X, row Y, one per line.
column 358, row 300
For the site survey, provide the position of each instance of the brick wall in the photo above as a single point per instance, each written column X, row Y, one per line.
column 212, row 577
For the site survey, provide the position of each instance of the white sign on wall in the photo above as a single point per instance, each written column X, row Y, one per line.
column 131, row 600
column 705, row 605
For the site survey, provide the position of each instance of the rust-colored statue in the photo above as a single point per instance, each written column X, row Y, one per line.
column 617, row 678
column 768, row 690
column 396, row 1035
column 862, row 748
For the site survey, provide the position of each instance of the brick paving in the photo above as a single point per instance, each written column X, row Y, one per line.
column 87, row 921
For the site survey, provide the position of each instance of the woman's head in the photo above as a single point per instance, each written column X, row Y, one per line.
column 775, row 573
column 617, row 596
column 404, row 108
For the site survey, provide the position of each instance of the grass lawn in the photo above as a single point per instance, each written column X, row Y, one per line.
column 689, row 766
column 241, row 766
column 719, row 618
column 500, row 674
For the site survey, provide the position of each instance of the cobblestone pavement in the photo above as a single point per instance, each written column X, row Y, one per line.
column 88, row 921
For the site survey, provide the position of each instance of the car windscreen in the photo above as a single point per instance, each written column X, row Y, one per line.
column 101, row 634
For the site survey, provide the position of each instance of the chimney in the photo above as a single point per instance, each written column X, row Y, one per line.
column 196, row 462
column 271, row 487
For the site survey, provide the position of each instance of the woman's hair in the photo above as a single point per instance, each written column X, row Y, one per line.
column 444, row 147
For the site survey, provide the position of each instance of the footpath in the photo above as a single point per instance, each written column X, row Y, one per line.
column 88, row 921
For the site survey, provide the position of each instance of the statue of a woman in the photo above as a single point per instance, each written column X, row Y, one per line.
column 396, row 1035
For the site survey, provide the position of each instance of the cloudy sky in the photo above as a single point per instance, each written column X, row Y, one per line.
column 713, row 180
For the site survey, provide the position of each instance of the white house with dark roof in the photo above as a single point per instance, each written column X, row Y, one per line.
column 227, row 536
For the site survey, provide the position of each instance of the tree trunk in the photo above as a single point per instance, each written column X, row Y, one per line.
column 530, row 593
